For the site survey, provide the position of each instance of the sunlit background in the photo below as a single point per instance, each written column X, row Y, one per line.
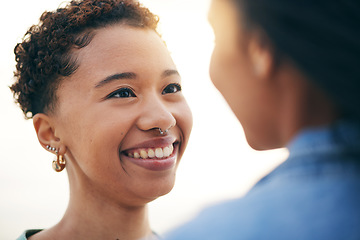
column 217, row 165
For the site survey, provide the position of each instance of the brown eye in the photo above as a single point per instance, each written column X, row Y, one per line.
column 122, row 93
column 172, row 88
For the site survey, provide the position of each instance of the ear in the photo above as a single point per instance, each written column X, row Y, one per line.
column 45, row 131
column 261, row 56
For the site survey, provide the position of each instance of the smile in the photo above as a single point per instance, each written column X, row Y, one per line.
column 151, row 153
column 154, row 158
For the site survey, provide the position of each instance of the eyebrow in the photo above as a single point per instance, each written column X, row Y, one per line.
column 131, row 75
column 117, row 76
column 169, row 72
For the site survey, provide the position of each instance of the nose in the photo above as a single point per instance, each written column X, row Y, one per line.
column 156, row 115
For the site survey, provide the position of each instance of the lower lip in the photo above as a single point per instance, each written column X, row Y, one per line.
column 154, row 164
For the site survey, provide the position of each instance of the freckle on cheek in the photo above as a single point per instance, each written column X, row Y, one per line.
column 122, row 133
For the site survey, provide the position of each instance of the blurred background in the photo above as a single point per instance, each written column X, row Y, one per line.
column 217, row 165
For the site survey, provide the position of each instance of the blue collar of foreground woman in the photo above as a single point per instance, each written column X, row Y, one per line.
column 31, row 232
column 343, row 135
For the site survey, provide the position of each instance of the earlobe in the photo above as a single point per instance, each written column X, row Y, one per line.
column 45, row 131
column 261, row 58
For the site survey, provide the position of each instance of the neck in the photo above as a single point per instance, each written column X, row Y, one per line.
column 91, row 217
column 302, row 105
column 86, row 219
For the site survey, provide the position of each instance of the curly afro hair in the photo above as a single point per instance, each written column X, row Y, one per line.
column 44, row 57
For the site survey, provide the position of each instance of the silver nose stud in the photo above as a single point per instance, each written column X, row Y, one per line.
column 163, row 132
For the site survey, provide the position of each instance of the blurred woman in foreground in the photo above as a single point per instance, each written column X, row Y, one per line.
column 290, row 72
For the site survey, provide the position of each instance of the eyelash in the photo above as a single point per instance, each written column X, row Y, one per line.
column 130, row 92
column 122, row 91
column 176, row 85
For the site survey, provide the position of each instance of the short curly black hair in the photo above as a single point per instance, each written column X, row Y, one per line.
column 45, row 55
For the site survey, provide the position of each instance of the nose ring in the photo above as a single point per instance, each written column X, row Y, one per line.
column 163, row 132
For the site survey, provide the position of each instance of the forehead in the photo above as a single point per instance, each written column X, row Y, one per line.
column 223, row 11
column 224, row 18
column 123, row 48
column 124, row 39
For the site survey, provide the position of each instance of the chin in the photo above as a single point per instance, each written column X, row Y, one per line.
column 259, row 145
column 155, row 190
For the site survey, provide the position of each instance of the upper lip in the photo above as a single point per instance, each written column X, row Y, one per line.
column 158, row 142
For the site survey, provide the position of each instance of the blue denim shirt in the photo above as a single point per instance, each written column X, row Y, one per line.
column 314, row 194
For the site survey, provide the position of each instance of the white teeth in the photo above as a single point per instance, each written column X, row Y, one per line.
column 151, row 153
column 166, row 151
column 143, row 154
column 171, row 149
column 159, row 153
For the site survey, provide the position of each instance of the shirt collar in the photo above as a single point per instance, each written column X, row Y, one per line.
column 339, row 135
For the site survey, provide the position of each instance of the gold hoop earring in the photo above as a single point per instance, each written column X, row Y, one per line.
column 60, row 162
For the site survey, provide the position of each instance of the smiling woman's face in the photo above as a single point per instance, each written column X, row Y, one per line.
column 109, row 113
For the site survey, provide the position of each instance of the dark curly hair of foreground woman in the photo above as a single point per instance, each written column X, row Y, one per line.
column 46, row 54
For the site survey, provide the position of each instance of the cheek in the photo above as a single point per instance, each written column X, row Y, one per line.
column 223, row 69
column 184, row 119
column 214, row 68
column 219, row 70
column 93, row 137
column 187, row 119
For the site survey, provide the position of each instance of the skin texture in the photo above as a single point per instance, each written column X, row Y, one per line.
column 272, row 100
column 92, row 126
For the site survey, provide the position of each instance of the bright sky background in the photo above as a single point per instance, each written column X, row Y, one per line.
column 217, row 165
